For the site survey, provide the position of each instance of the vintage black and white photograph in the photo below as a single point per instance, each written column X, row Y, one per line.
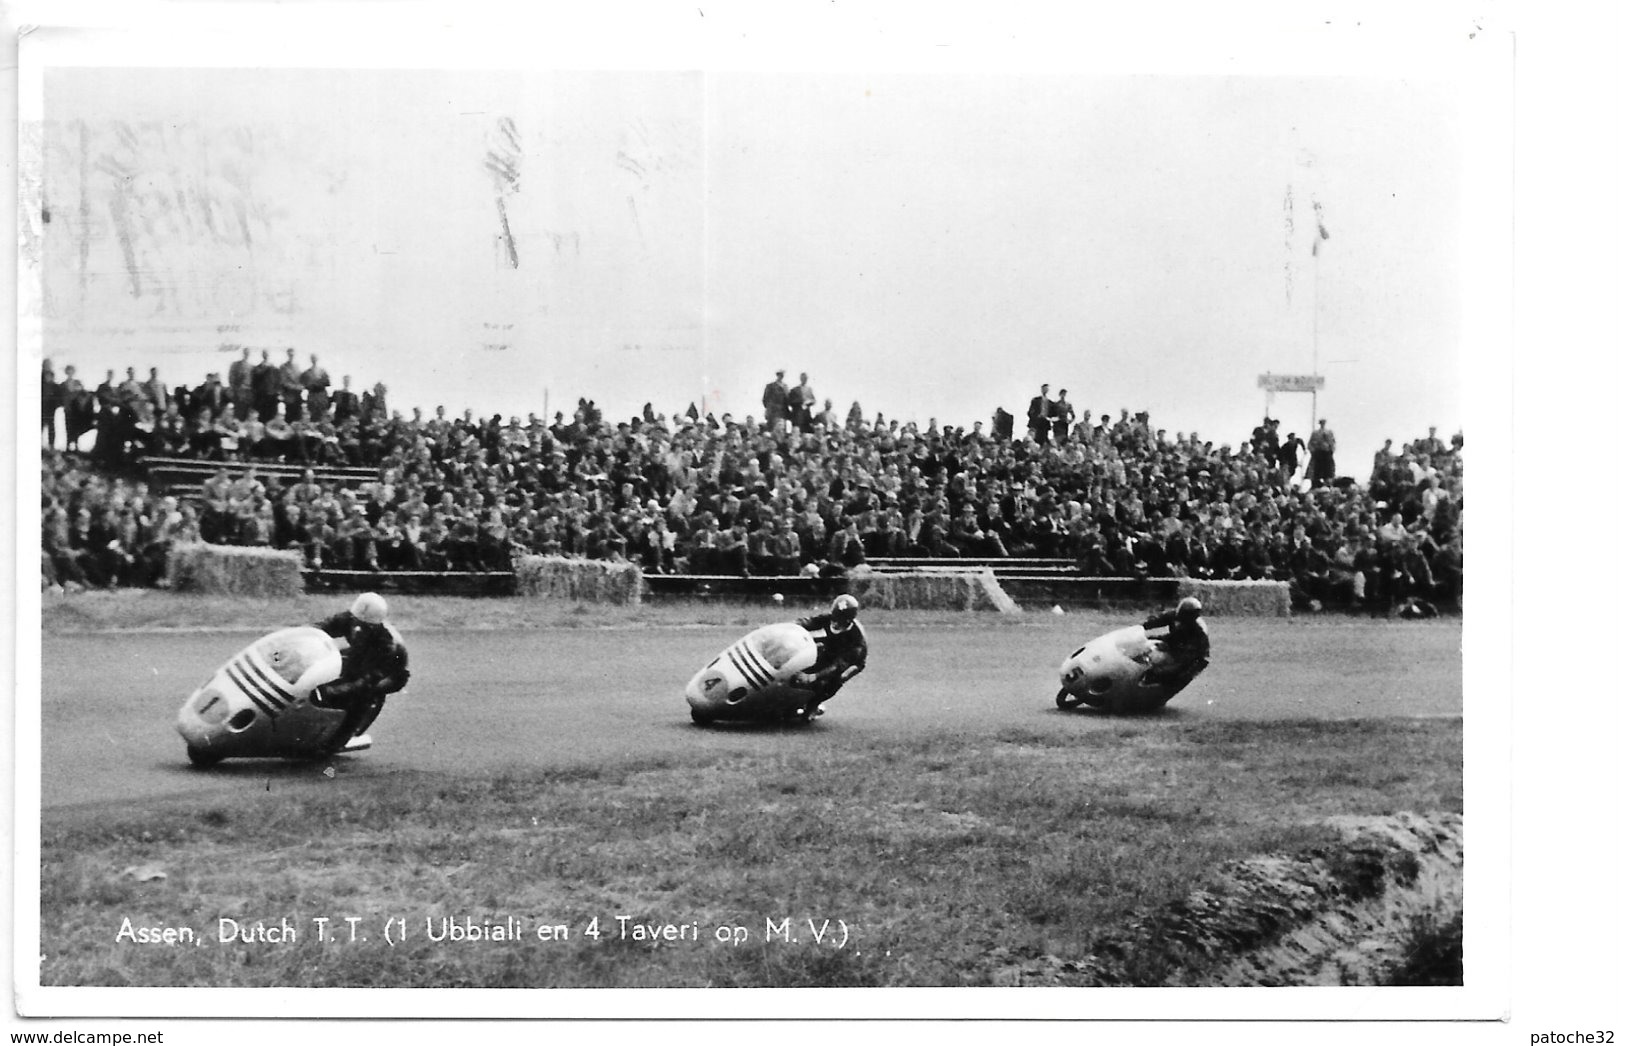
column 879, row 521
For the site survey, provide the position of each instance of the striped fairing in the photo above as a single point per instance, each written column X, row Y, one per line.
column 757, row 672
column 249, row 672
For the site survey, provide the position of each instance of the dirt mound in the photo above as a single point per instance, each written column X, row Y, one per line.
column 1381, row 907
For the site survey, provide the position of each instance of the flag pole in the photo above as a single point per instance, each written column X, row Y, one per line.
column 1314, row 340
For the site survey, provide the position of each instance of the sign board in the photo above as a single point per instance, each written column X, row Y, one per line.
column 1291, row 382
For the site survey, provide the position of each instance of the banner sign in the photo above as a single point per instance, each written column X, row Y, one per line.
column 1291, row 382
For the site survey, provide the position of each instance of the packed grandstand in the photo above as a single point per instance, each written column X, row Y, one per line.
column 792, row 493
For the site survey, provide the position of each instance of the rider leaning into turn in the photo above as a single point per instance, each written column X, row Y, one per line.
column 1186, row 644
column 843, row 651
column 374, row 663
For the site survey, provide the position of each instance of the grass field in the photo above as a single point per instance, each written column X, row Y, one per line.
column 943, row 852
column 932, row 853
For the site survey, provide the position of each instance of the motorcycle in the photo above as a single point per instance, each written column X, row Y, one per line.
column 755, row 678
column 264, row 703
column 1109, row 673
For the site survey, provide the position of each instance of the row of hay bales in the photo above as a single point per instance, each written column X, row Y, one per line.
column 267, row 573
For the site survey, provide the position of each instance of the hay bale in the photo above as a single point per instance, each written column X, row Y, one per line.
column 933, row 590
column 994, row 595
column 1240, row 598
column 226, row 570
column 578, row 580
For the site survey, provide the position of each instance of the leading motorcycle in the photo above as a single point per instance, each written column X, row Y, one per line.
column 265, row 702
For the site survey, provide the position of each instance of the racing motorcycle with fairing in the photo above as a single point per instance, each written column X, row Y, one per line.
column 266, row 703
column 1110, row 673
column 756, row 679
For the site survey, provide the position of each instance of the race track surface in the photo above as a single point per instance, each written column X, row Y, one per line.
column 483, row 701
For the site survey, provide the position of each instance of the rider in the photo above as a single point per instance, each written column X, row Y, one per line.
column 843, row 651
column 374, row 664
column 1184, row 648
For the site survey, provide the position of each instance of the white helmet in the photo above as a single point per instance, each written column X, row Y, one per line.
column 1188, row 608
column 842, row 613
column 370, row 607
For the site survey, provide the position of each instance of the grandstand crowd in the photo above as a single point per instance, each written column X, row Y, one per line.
column 800, row 490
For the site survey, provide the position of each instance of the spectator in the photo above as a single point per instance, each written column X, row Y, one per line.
column 315, row 382
column 1061, row 417
column 211, row 396
column 240, row 384
column 1040, row 411
column 798, row 403
column 346, row 404
column 79, row 408
column 1322, row 459
column 775, row 403
column 51, row 395
column 290, row 391
column 156, row 392
column 719, row 495
column 265, row 381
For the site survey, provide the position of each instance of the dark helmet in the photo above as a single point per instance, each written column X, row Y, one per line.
column 1189, row 609
column 842, row 613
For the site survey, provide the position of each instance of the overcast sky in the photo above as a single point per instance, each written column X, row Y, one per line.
column 926, row 244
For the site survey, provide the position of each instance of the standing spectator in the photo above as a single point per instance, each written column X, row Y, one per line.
column 1431, row 444
column 266, row 383
column 316, row 383
column 240, row 384
column 1322, row 451
column 1270, row 442
column 346, row 404
column 1060, row 417
column 799, row 404
column 290, row 391
column 1290, row 454
column 156, row 392
column 375, row 404
column 78, row 407
column 775, row 403
column 50, row 401
column 1038, row 416
column 130, row 390
column 107, row 412
column 1380, row 462
column 1004, row 424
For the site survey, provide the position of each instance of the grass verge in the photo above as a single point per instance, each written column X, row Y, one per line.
column 886, row 863
column 154, row 610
